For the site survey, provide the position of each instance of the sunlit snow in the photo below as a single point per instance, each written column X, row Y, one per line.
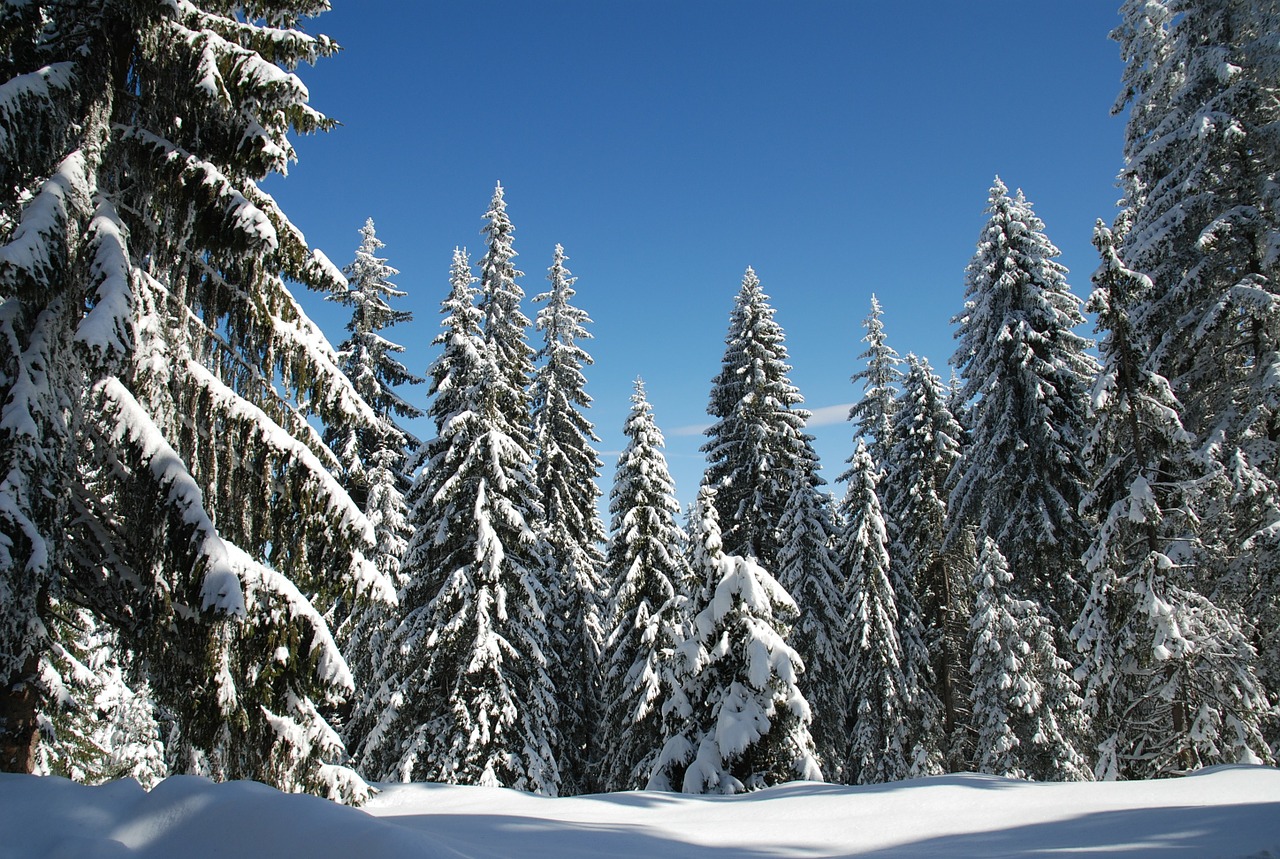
column 1224, row 812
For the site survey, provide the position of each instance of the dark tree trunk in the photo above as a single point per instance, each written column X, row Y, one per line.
column 18, row 726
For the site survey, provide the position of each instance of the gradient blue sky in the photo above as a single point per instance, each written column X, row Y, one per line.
column 840, row 148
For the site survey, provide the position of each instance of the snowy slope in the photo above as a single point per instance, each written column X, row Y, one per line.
column 1226, row 812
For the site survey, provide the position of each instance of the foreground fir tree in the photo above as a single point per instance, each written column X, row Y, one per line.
column 646, row 567
column 468, row 699
column 565, row 474
column 1027, row 712
column 809, row 569
column 894, row 717
column 158, row 459
column 872, row 416
column 1202, row 152
column 1028, row 374
column 743, row 722
column 757, row 448
column 1168, row 673
column 925, row 452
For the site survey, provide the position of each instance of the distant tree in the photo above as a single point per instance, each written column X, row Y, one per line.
column 1027, row 712
column 757, row 448
column 565, row 474
column 809, row 569
column 744, row 721
column 925, row 451
column 469, row 699
column 369, row 360
column 159, row 461
column 1027, row 374
column 1168, row 673
column 872, row 416
column 895, row 719
column 646, row 567
column 373, row 461
column 505, row 326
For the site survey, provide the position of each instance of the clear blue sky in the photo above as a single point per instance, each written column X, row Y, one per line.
column 840, row 148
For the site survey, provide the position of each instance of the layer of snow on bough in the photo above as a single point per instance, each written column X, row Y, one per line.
column 1224, row 812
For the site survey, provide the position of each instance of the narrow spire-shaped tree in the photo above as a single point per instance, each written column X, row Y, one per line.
column 373, row 462
column 925, row 451
column 1027, row 712
column 745, row 720
column 565, row 475
column 1028, row 374
column 369, row 360
column 872, row 416
column 159, row 464
column 1168, row 673
column 894, row 726
column 646, row 566
column 757, row 448
column 469, row 700
column 809, row 569
column 505, row 326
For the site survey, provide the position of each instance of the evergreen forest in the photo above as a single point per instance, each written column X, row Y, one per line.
column 224, row 552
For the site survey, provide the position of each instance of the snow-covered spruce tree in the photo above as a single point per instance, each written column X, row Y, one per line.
column 565, row 473
column 872, row 416
column 1027, row 713
column 894, row 718
column 925, row 451
column 1168, row 673
column 757, row 448
column 809, row 569
column 645, row 567
column 468, row 699
column 1202, row 208
column 373, row 462
column 1028, row 375
column 505, row 325
column 369, row 361
column 157, row 460
column 743, row 721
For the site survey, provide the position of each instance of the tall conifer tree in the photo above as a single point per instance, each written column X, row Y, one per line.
column 157, row 457
column 757, row 448
column 469, row 698
column 925, row 451
column 1168, row 673
column 1028, row 374
column 647, row 568
column 809, row 569
column 895, row 719
column 1202, row 220
column 565, row 474
column 872, row 416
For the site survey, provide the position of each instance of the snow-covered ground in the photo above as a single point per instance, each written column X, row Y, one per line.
column 1225, row 812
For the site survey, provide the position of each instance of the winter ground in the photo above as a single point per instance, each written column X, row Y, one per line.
column 1225, row 812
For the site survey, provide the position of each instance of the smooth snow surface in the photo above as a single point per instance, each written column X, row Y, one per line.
column 1225, row 812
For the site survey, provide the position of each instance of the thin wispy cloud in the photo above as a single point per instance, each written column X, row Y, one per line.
column 825, row 416
column 691, row 429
